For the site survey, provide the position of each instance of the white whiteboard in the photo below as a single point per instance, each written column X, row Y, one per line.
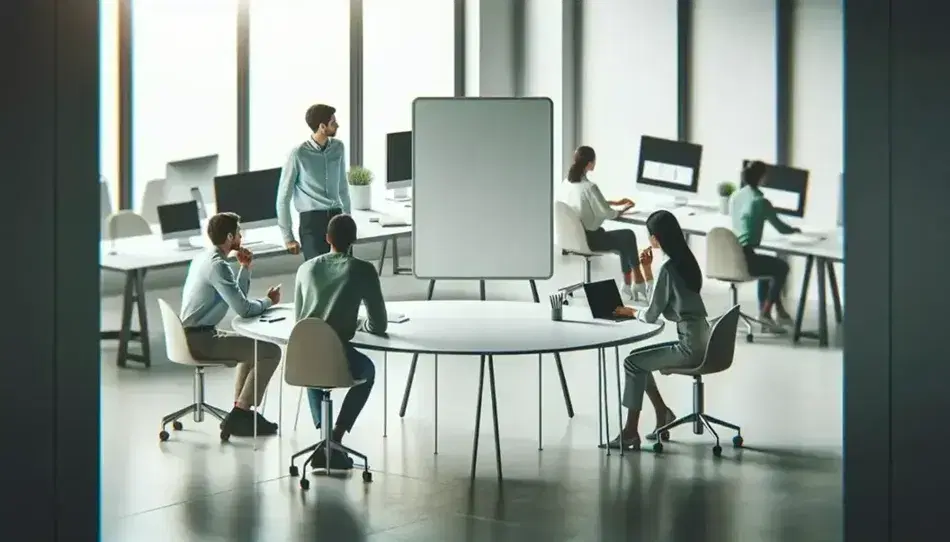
column 483, row 188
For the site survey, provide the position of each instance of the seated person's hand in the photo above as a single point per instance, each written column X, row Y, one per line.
column 625, row 202
column 274, row 294
column 646, row 256
column 244, row 257
column 626, row 312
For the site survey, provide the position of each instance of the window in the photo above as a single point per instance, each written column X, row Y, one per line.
column 300, row 55
column 408, row 52
column 184, row 79
column 109, row 96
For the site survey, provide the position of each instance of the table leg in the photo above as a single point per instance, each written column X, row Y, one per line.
column 382, row 258
column 412, row 364
column 385, row 393
column 602, row 361
column 397, row 269
column 128, row 301
column 478, row 414
column 619, row 393
column 557, row 360
column 494, row 414
column 540, row 415
column 254, row 400
column 436, row 426
column 142, row 309
column 802, row 299
column 822, row 306
column 835, row 292
column 600, row 402
column 481, row 290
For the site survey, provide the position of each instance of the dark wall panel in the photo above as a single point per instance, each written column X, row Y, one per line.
column 50, row 343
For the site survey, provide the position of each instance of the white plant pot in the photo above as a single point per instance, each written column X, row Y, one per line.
column 724, row 205
column 361, row 197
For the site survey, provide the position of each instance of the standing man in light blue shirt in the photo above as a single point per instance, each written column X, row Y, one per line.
column 314, row 177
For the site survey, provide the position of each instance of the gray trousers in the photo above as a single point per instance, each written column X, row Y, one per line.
column 223, row 346
column 640, row 364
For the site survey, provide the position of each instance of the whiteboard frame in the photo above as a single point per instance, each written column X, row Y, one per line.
column 550, row 188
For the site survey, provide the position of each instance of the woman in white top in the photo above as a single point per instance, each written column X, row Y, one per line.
column 579, row 193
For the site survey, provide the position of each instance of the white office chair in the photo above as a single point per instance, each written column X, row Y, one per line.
column 725, row 262
column 720, row 351
column 572, row 240
column 176, row 346
column 153, row 196
column 315, row 359
column 105, row 206
column 126, row 224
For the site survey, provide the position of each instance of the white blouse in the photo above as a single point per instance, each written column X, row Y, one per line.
column 588, row 202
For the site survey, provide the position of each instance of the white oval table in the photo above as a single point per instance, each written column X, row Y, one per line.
column 480, row 328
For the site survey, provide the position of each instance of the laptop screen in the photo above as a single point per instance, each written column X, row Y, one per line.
column 603, row 297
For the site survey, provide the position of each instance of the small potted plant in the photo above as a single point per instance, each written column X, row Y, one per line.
column 726, row 190
column 360, row 180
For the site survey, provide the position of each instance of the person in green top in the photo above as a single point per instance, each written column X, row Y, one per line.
column 750, row 211
column 332, row 287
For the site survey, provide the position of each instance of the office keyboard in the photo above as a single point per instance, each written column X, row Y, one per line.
column 262, row 247
column 392, row 222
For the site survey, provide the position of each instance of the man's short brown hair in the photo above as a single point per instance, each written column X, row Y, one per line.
column 341, row 232
column 221, row 225
column 319, row 114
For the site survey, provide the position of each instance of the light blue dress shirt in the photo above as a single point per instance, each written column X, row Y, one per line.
column 314, row 177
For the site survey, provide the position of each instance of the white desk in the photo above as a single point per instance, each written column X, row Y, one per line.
column 480, row 328
column 135, row 256
column 824, row 253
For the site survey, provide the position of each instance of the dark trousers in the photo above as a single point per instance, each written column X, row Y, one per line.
column 774, row 271
column 313, row 232
column 362, row 368
column 623, row 242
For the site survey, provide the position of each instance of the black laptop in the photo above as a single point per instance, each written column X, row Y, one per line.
column 603, row 297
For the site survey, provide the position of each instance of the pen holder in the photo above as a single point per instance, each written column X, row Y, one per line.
column 557, row 314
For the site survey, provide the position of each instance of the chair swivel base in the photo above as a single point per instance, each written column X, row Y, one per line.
column 329, row 447
column 700, row 421
column 198, row 409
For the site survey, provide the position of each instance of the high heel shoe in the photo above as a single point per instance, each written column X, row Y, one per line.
column 630, row 443
column 665, row 436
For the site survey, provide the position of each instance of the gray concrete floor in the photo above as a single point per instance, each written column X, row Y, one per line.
column 785, row 486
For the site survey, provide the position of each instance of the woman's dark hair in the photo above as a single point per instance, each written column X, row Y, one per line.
column 753, row 172
column 582, row 156
column 664, row 226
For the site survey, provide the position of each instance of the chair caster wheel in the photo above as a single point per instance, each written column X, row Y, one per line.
column 163, row 436
column 367, row 476
column 225, row 436
column 717, row 450
column 658, row 447
column 749, row 338
column 665, row 436
column 177, row 426
column 304, row 484
column 294, row 471
column 737, row 441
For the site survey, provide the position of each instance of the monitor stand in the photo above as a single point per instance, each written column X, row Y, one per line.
column 400, row 195
column 184, row 244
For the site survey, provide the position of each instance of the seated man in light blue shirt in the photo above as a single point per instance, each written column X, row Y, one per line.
column 314, row 177
column 211, row 288
column 332, row 287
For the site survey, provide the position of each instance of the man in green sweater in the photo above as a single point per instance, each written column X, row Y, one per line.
column 750, row 211
column 332, row 287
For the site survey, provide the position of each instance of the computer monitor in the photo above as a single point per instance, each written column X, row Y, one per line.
column 786, row 187
column 180, row 221
column 252, row 195
column 183, row 175
column 399, row 163
column 668, row 166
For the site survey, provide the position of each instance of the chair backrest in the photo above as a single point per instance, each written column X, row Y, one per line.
column 152, row 197
column 176, row 344
column 105, row 201
column 721, row 346
column 126, row 224
column 315, row 357
column 725, row 259
column 569, row 232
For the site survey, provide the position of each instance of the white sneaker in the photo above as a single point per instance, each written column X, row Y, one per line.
column 626, row 292
column 640, row 293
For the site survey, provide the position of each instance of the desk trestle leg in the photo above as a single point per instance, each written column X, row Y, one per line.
column 133, row 297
